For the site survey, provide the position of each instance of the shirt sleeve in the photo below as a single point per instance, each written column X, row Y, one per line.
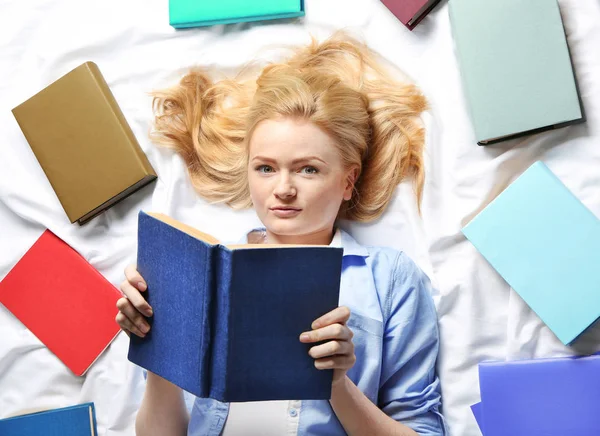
column 409, row 390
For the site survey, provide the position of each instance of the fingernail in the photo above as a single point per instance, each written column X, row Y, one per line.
column 304, row 337
column 144, row 328
column 148, row 311
column 141, row 286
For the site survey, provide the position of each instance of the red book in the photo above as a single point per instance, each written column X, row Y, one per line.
column 63, row 300
column 410, row 12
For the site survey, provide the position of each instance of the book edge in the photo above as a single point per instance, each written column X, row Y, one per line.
column 246, row 19
column 130, row 190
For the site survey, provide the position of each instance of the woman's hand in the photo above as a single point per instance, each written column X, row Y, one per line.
column 338, row 353
column 133, row 307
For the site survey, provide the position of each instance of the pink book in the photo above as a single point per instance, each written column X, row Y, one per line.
column 410, row 12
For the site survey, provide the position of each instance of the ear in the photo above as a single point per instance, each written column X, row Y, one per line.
column 351, row 177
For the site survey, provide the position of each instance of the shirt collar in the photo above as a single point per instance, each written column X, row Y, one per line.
column 351, row 246
column 340, row 239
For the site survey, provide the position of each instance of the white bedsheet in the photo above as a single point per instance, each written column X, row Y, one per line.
column 137, row 51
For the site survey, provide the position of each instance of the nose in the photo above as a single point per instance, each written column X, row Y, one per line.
column 284, row 189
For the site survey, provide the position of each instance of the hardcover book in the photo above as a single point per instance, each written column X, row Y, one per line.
column 190, row 13
column 544, row 242
column 410, row 12
column 516, row 67
column 63, row 300
column 83, row 143
column 227, row 319
column 551, row 397
column 77, row 420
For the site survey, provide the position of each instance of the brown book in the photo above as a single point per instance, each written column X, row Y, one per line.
column 83, row 143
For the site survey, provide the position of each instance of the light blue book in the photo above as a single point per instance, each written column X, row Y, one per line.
column 546, row 244
column 77, row 420
column 196, row 13
column 515, row 65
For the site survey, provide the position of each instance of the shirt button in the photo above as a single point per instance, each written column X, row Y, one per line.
column 293, row 412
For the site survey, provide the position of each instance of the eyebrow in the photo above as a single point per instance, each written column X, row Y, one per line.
column 294, row 162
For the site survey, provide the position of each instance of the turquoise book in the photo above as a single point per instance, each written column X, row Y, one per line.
column 545, row 243
column 516, row 67
column 197, row 13
column 79, row 420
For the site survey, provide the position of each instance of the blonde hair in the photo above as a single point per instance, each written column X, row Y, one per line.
column 339, row 84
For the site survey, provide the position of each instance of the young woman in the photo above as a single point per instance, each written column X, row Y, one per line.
column 325, row 135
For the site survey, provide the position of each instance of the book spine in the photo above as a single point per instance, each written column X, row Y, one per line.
column 221, row 315
column 206, row 348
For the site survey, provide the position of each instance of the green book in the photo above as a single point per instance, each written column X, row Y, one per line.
column 516, row 67
column 196, row 13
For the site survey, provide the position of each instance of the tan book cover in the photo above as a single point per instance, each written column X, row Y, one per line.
column 83, row 143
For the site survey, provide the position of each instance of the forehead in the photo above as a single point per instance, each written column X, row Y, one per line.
column 291, row 139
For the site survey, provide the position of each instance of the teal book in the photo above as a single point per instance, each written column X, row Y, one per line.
column 196, row 13
column 545, row 243
column 516, row 67
column 77, row 420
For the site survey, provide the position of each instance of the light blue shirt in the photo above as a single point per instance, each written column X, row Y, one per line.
column 396, row 342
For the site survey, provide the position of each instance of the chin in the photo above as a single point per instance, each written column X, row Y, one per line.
column 285, row 227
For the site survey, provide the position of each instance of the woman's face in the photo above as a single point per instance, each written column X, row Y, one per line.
column 297, row 181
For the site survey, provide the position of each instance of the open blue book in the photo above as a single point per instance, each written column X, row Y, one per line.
column 545, row 243
column 195, row 13
column 77, row 420
column 550, row 397
column 227, row 319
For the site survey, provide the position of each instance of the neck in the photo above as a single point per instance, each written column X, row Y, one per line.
column 321, row 237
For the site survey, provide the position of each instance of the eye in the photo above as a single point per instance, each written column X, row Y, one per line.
column 309, row 170
column 265, row 169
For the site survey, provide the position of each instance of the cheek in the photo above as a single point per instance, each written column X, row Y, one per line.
column 258, row 189
column 328, row 198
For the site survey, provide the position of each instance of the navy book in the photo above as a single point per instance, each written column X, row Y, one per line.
column 77, row 420
column 227, row 319
column 550, row 397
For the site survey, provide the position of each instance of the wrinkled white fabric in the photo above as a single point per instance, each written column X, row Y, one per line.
column 137, row 51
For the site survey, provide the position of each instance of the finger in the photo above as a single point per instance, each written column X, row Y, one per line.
column 331, row 348
column 135, row 278
column 131, row 313
column 339, row 362
column 338, row 315
column 127, row 325
column 134, row 296
column 333, row 331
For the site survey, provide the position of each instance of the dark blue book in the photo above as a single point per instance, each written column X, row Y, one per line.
column 227, row 319
column 77, row 420
column 550, row 397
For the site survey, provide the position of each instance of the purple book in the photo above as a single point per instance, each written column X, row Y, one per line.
column 410, row 12
column 550, row 397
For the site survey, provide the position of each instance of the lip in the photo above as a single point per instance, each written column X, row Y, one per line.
column 285, row 211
